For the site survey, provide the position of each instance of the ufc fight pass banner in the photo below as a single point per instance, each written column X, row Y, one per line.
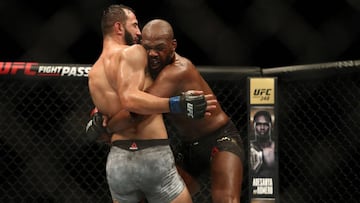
column 34, row 69
column 263, row 157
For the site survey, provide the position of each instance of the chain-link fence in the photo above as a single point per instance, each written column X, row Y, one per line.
column 45, row 157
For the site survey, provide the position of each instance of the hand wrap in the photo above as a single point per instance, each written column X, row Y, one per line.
column 256, row 158
column 94, row 128
column 193, row 106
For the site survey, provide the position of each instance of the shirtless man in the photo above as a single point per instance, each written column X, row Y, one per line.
column 212, row 141
column 262, row 149
column 140, row 162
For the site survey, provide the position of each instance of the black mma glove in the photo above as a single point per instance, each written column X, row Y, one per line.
column 94, row 128
column 193, row 106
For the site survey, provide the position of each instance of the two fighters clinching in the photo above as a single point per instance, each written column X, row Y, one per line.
column 192, row 106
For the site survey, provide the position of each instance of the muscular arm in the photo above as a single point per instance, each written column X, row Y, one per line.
column 124, row 120
column 130, row 77
column 180, row 77
column 165, row 85
column 169, row 82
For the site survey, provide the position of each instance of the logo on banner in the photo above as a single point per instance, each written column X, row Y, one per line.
column 263, row 159
column 262, row 91
column 43, row 70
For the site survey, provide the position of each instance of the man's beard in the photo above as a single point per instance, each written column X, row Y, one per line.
column 263, row 137
column 129, row 40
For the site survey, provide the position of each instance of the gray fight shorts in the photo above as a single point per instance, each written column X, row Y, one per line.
column 149, row 172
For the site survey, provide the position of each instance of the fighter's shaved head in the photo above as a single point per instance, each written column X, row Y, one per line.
column 159, row 27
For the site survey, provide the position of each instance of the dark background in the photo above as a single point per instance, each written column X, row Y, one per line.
column 214, row 33
column 45, row 157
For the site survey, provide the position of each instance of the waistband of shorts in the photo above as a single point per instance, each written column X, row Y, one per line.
column 134, row 145
column 214, row 134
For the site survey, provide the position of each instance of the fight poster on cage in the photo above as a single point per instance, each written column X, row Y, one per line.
column 262, row 127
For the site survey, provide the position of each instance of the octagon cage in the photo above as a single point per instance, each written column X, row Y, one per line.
column 46, row 157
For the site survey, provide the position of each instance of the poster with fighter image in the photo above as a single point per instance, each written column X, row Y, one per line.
column 263, row 157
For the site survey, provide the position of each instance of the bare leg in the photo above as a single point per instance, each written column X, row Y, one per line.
column 191, row 183
column 184, row 197
column 226, row 178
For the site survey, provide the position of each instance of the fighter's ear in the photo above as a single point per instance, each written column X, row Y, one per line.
column 174, row 43
column 118, row 28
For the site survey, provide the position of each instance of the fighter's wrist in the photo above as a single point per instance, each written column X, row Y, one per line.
column 174, row 104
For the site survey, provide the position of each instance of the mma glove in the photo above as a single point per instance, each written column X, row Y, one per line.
column 193, row 106
column 256, row 158
column 94, row 128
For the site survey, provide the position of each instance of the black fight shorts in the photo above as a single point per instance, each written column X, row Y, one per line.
column 197, row 154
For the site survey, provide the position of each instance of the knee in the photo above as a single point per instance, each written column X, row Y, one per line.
column 221, row 197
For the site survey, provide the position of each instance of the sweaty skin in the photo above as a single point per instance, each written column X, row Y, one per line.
column 174, row 74
column 116, row 83
column 177, row 77
column 110, row 84
column 117, row 79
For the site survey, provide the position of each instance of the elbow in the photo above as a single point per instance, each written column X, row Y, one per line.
column 126, row 103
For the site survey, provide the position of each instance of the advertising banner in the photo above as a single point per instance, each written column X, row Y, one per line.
column 263, row 157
